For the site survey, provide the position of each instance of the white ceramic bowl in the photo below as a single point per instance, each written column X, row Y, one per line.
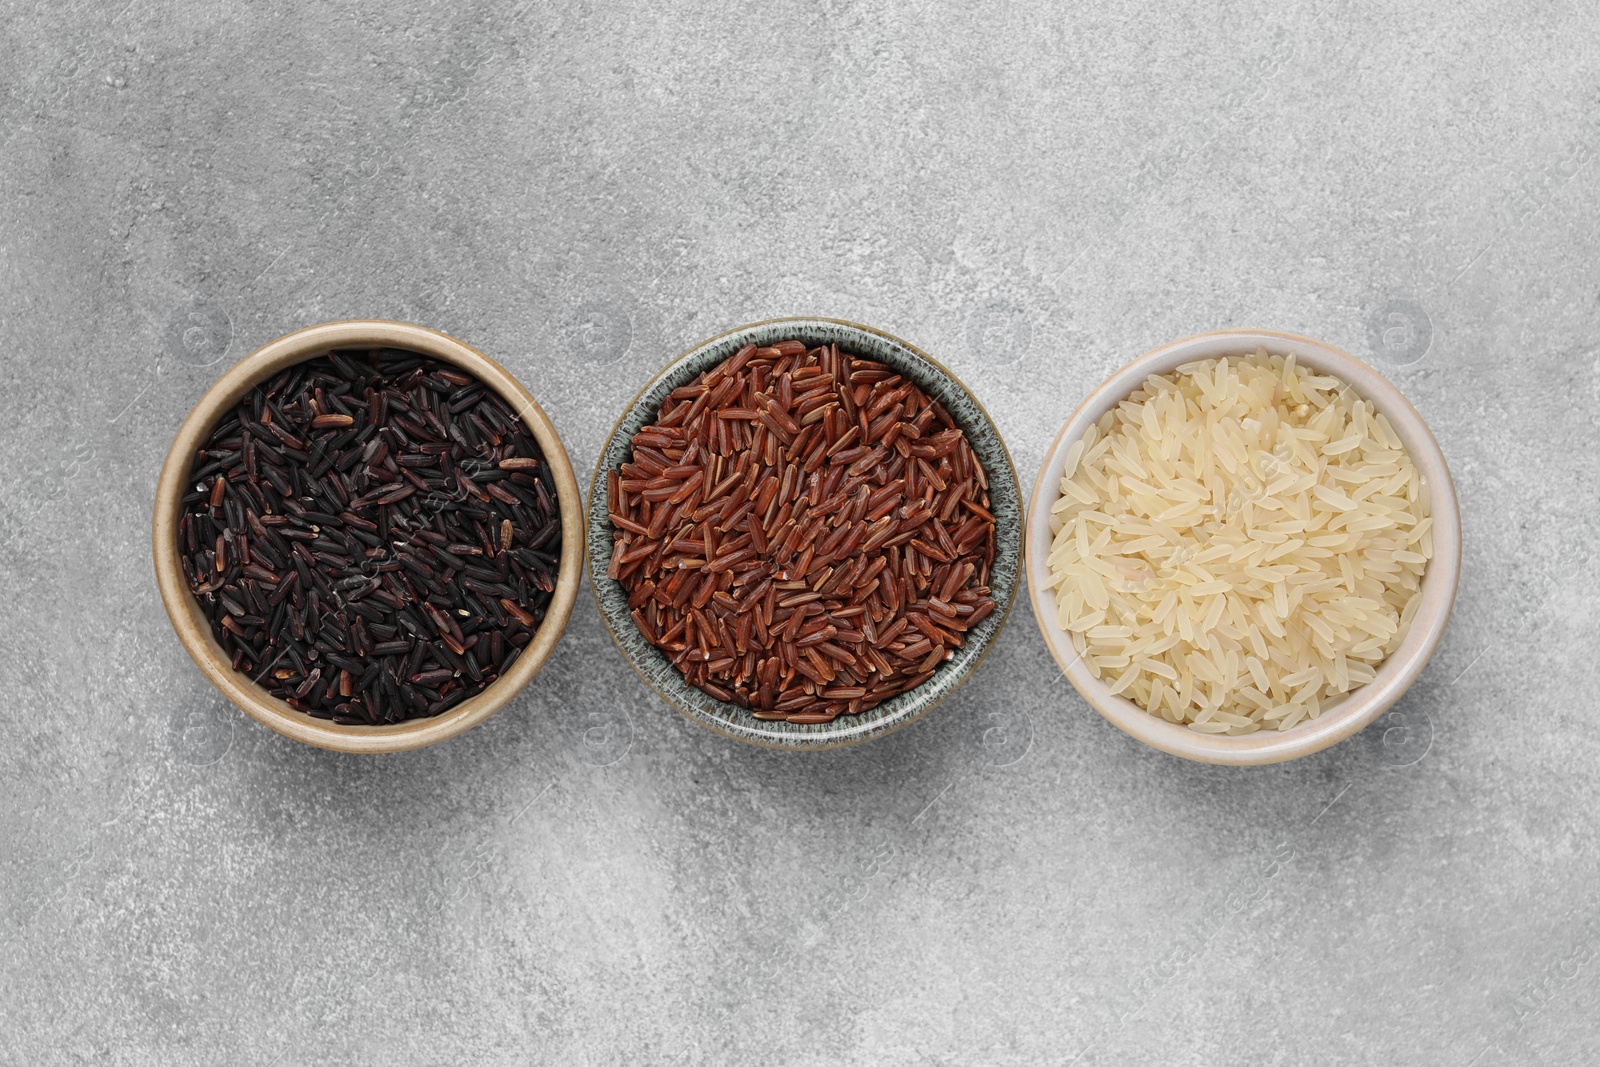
column 1397, row 672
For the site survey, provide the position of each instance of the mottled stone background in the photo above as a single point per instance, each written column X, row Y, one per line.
column 1032, row 192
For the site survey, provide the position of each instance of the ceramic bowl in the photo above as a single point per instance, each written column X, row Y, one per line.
column 1004, row 493
column 1396, row 673
column 195, row 631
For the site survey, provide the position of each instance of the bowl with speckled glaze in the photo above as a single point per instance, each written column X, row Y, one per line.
column 1005, row 496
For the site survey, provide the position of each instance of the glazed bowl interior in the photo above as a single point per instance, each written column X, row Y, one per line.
column 1004, row 494
column 1395, row 674
column 195, row 631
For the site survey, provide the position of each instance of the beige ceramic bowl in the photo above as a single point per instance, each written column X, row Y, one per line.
column 195, row 632
column 1397, row 672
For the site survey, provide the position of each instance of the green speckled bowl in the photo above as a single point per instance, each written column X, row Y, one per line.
column 1005, row 495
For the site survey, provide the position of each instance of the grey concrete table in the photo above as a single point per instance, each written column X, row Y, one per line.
column 583, row 190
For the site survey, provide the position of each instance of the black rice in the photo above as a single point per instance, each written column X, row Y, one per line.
column 373, row 536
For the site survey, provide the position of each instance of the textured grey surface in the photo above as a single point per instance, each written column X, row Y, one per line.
column 584, row 190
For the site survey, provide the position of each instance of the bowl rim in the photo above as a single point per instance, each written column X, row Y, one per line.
column 824, row 741
column 1396, row 673
column 194, row 631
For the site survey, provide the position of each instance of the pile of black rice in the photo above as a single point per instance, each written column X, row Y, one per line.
column 373, row 535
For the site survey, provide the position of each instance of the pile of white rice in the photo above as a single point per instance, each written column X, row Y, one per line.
column 1239, row 544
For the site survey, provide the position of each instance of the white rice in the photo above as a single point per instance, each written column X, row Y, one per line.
column 1239, row 544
